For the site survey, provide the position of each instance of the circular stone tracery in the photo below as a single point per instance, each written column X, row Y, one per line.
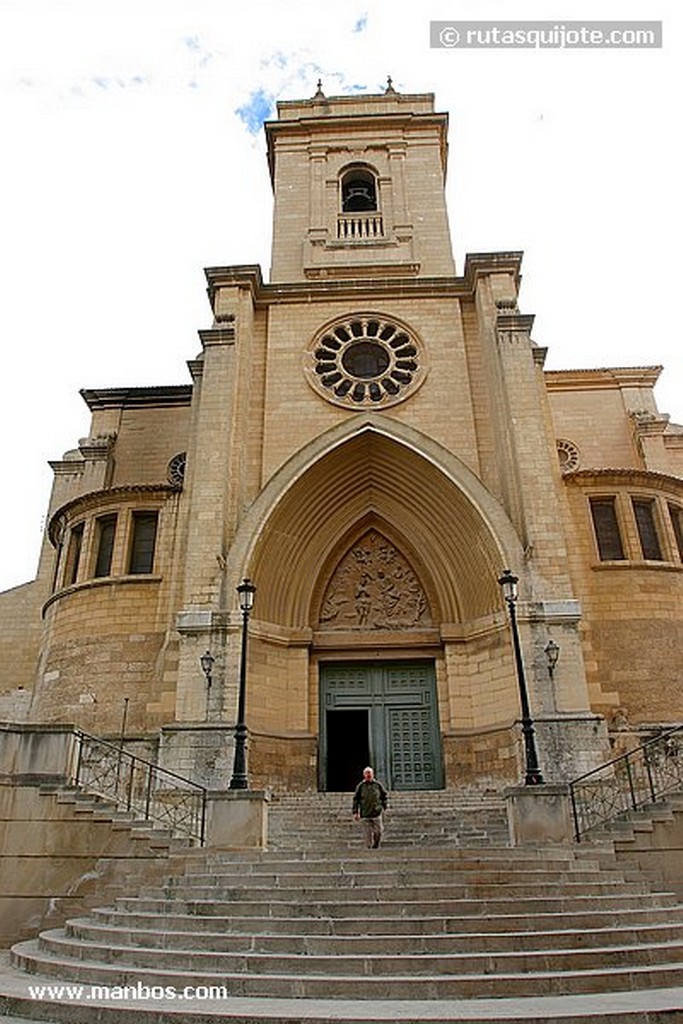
column 176, row 469
column 569, row 455
column 365, row 360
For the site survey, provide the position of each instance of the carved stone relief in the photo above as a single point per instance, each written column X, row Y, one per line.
column 374, row 587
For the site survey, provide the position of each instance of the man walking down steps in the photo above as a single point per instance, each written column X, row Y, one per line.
column 369, row 804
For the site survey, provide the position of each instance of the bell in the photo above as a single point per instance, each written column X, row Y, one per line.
column 358, row 196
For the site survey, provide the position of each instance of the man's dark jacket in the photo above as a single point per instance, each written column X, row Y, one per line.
column 370, row 799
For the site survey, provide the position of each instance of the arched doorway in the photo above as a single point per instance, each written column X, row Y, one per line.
column 377, row 576
column 381, row 713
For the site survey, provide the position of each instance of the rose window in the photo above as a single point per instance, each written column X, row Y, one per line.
column 569, row 456
column 176, row 469
column 365, row 361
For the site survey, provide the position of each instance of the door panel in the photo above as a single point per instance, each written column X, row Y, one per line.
column 404, row 743
column 411, row 743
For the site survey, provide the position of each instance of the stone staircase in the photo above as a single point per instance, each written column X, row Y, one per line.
column 434, row 818
column 444, row 922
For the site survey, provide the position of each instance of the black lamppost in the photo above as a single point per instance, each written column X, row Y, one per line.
column 206, row 661
column 239, row 780
column 533, row 775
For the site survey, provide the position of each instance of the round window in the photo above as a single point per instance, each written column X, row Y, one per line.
column 365, row 360
column 569, row 456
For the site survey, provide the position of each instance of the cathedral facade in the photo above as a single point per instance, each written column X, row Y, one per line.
column 371, row 438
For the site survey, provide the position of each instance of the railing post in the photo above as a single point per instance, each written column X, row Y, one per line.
column 129, row 788
column 575, row 813
column 648, row 769
column 148, row 795
column 634, row 800
column 202, row 824
column 79, row 758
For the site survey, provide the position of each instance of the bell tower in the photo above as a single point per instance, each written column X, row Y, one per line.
column 359, row 188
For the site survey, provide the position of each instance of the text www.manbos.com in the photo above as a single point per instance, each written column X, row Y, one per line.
column 123, row 993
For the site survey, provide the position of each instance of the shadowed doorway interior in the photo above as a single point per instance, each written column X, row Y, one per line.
column 348, row 748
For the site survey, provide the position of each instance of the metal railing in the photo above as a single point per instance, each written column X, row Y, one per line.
column 149, row 792
column 637, row 778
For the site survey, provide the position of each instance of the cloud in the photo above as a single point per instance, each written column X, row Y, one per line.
column 361, row 24
column 259, row 107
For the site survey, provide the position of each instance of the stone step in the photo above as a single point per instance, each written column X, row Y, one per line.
column 329, row 839
column 345, row 872
column 396, row 908
column 89, row 930
column 377, row 964
column 550, row 855
column 344, row 878
column 61, row 1004
column 409, row 798
column 381, row 926
column 387, row 891
column 399, row 986
column 439, row 818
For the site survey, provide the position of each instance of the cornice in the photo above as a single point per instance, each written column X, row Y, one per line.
column 130, row 398
column 624, row 475
column 215, row 336
column 477, row 266
column 601, row 378
column 321, row 117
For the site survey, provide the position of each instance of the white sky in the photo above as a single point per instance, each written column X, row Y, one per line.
column 126, row 170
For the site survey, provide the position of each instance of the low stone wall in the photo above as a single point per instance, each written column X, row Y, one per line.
column 63, row 849
column 36, row 753
column 60, row 850
column 59, row 856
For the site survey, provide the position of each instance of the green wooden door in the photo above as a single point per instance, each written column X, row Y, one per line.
column 400, row 731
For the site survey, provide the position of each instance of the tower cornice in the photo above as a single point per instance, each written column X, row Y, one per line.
column 319, row 122
column 477, row 265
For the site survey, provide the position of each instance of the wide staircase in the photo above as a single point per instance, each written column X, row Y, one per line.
column 445, row 922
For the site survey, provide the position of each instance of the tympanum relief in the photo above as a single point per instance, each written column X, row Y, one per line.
column 374, row 587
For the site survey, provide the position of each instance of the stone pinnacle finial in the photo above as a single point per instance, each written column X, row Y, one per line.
column 390, row 85
column 319, row 95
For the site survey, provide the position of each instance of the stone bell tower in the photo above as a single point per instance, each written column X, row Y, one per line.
column 359, row 169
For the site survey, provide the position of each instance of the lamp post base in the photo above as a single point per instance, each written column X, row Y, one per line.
column 239, row 778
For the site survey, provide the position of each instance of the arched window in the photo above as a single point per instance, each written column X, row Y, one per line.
column 358, row 191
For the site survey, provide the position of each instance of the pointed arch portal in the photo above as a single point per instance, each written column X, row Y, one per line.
column 372, row 477
column 373, row 551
